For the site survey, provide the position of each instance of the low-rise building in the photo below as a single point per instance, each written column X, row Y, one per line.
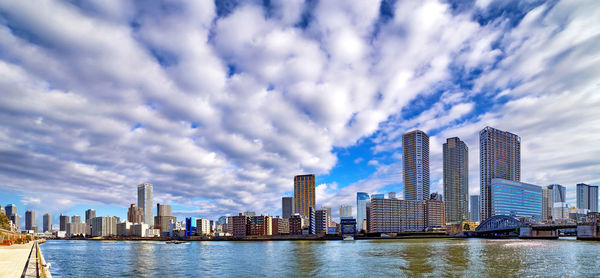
column 124, row 228
column 202, row 227
column 295, row 224
column 260, row 225
column 240, row 225
column 140, row 229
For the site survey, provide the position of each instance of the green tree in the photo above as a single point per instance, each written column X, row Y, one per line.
column 4, row 222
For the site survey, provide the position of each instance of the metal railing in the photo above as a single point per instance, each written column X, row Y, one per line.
column 42, row 267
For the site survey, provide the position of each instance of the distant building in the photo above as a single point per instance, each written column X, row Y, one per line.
column 304, row 194
column 456, row 180
column 190, row 226
column 76, row 229
column 89, row 214
column 124, row 228
column 322, row 220
column 140, row 229
column 296, row 224
column 249, row 213
column 64, row 220
column 259, row 225
column 377, row 196
column 474, row 204
column 239, row 225
column 392, row 195
column 47, row 226
column 163, row 218
column 559, row 193
column 29, row 220
column 312, row 229
column 287, row 207
column 436, row 196
column 104, row 226
column 547, row 203
column 587, row 197
column 362, row 200
column 415, row 161
column 500, row 157
column 345, row 211
column 515, row 198
column 283, row 226
column 12, row 214
column 135, row 214
column 75, row 219
column 202, row 227
column 394, row 216
column 145, row 202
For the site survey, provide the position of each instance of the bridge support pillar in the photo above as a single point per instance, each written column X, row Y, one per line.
column 529, row 232
column 588, row 232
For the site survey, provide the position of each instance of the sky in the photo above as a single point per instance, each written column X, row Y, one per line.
column 219, row 104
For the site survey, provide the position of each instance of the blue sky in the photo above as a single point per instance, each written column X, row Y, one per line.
column 219, row 104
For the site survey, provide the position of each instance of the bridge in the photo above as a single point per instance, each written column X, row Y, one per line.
column 520, row 226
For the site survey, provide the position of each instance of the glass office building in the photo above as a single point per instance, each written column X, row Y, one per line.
column 190, row 226
column 362, row 199
column 516, row 199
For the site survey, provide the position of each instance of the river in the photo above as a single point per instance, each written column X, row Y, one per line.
column 360, row 258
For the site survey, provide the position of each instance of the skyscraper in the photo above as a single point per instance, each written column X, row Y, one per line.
column 362, row 200
column 415, row 154
column 135, row 214
column 474, row 201
column 64, row 220
column 304, row 194
column 456, row 180
column 11, row 213
column 500, row 157
column 29, row 219
column 75, row 219
column 145, row 201
column 89, row 214
column 287, row 207
column 587, row 197
column 164, row 215
column 47, row 223
column 559, row 196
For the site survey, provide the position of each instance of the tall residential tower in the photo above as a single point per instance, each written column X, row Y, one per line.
column 287, row 207
column 500, row 157
column 145, row 201
column 587, row 197
column 415, row 154
column 304, row 194
column 456, row 180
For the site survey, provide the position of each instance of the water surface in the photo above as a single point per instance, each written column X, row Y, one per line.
column 364, row 258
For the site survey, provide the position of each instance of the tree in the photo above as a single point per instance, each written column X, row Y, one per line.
column 4, row 222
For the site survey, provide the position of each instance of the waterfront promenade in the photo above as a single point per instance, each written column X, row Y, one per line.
column 22, row 259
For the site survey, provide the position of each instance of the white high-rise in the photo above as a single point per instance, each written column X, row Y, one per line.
column 145, row 201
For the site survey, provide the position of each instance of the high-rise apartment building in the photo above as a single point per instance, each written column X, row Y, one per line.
column 559, row 193
column 145, row 202
column 104, row 226
column 415, row 154
column 345, row 211
column 394, row 216
column 500, row 157
column 304, row 194
column 135, row 214
column 587, row 197
column 322, row 219
column 89, row 214
column 202, row 227
column 515, row 198
column 474, row 204
column 287, row 207
column 75, row 219
column 29, row 220
column 362, row 200
column 47, row 225
column 64, row 220
column 547, row 203
column 456, row 180
column 560, row 208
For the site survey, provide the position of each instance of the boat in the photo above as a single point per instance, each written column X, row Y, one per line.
column 349, row 238
column 177, row 242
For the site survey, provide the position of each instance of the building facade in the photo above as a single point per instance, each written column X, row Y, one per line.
column 135, row 214
column 11, row 212
column 239, row 225
column 162, row 218
column 202, row 227
column 145, row 202
column 296, row 224
column 547, row 203
column 287, row 207
column 304, row 194
column 362, row 200
column 104, row 226
column 515, row 198
column 456, row 180
column 29, row 220
column 89, row 214
column 345, row 211
column 124, row 228
column 415, row 154
column 76, row 229
column 499, row 157
column 64, row 220
column 75, row 219
column 322, row 220
column 474, row 205
column 47, row 226
column 260, row 225
column 395, row 216
column 587, row 197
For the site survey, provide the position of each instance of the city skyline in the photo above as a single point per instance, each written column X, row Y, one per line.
column 219, row 119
